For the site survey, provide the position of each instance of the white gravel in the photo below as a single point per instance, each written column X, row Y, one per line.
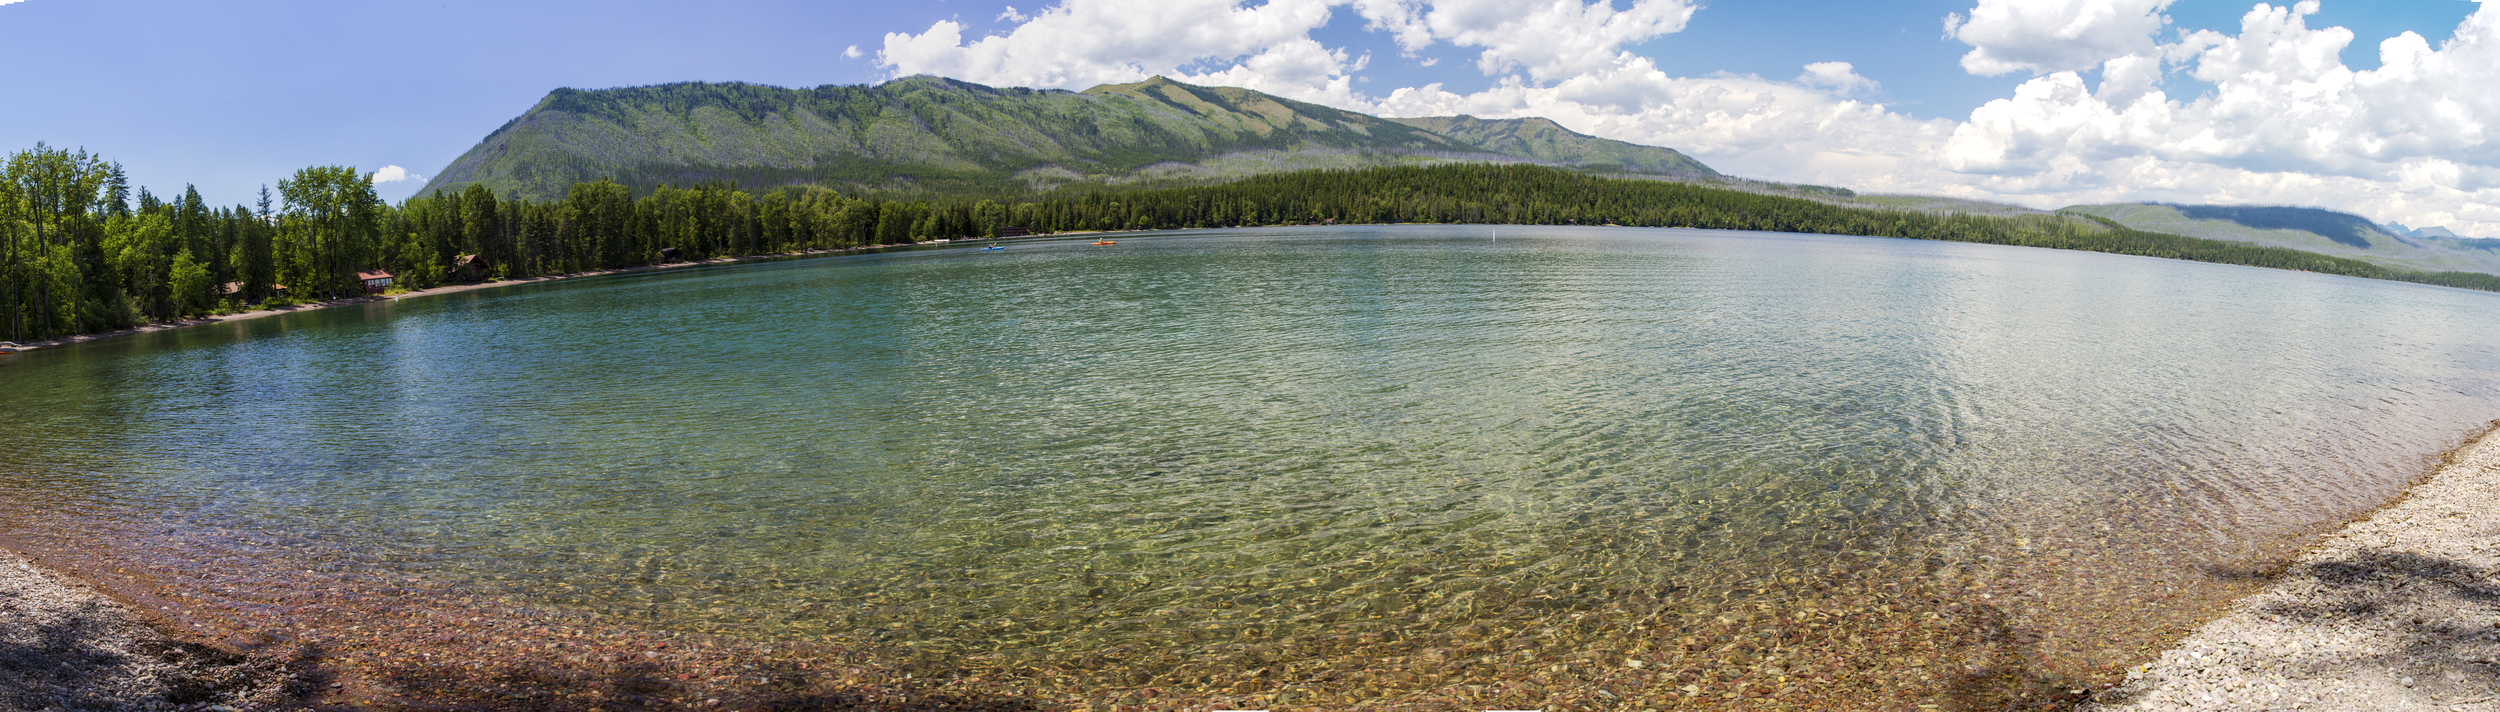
column 2397, row 612
column 65, row 647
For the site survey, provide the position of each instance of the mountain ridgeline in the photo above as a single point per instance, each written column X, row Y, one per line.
column 1544, row 140
column 2324, row 232
column 938, row 137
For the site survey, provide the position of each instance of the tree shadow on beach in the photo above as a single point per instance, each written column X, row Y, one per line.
column 2439, row 610
column 70, row 662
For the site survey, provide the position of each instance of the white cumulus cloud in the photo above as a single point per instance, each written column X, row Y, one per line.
column 2283, row 122
column 1841, row 77
column 1081, row 43
column 1551, row 40
column 2044, row 36
column 1268, row 46
column 394, row 174
column 851, row 52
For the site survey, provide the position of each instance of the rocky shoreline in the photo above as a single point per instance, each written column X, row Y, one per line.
column 65, row 646
column 2400, row 611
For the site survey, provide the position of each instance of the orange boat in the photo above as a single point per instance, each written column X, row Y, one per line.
column 1105, row 242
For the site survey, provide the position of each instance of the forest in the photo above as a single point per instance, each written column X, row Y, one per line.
column 79, row 253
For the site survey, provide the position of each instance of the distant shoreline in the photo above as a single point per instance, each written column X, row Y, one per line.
column 432, row 291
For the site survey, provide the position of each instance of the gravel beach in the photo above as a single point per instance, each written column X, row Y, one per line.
column 65, row 647
column 2400, row 611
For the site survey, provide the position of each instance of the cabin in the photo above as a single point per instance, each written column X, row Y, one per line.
column 468, row 269
column 235, row 290
column 376, row 282
column 671, row 255
column 1014, row 231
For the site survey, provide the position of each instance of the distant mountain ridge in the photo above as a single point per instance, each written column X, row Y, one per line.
column 943, row 136
column 1543, row 139
column 2325, row 232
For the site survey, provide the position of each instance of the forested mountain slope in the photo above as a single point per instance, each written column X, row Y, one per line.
column 934, row 136
column 2324, row 232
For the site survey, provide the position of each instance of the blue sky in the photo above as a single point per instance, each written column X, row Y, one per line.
column 2018, row 103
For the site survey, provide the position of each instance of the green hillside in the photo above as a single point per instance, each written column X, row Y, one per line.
column 1545, row 140
column 934, row 136
column 2324, row 232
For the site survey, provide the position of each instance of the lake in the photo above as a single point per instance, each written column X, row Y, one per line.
column 1312, row 467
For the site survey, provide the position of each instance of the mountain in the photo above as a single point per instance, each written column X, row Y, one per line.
column 1543, row 139
column 941, row 136
column 2324, row 232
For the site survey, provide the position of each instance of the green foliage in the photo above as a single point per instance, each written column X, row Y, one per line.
column 193, row 292
column 73, row 260
column 329, row 230
column 54, row 276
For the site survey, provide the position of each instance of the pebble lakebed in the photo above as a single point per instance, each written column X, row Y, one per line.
column 1863, row 631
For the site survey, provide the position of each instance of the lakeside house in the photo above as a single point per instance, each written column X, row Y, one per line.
column 1014, row 231
column 671, row 255
column 468, row 268
column 235, row 289
column 376, row 282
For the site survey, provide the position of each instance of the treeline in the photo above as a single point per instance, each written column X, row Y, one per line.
column 1527, row 194
column 79, row 253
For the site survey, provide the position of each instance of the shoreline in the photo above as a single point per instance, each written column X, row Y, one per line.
column 438, row 290
column 66, row 644
column 2397, row 610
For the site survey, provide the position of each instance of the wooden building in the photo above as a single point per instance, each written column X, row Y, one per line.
column 256, row 296
column 376, row 282
column 467, row 268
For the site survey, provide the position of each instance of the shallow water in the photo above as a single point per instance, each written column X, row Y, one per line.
column 1397, row 465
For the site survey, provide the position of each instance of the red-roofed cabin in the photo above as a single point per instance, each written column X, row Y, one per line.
column 376, row 281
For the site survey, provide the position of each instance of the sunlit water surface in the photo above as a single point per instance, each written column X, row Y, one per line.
column 1663, row 457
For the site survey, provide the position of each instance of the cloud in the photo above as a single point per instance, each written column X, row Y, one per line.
column 2285, row 122
column 8, row 2
column 851, row 52
column 1081, row 43
column 394, row 174
column 1268, row 46
column 1551, row 41
column 1840, row 77
column 1010, row 15
column 2043, row 36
